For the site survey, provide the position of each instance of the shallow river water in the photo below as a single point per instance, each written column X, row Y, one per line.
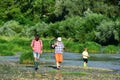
column 107, row 61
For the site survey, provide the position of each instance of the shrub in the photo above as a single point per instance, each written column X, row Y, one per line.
column 93, row 47
column 26, row 58
column 6, row 53
column 21, row 44
column 14, row 44
column 3, row 41
column 11, row 28
column 3, row 46
column 110, row 49
column 46, row 45
column 21, row 41
column 17, row 48
column 39, row 28
column 73, row 46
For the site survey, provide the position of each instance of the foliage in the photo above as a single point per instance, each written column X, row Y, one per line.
column 106, row 32
column 117, row 26
column 33, row 11
column 26, row 58
column 72, row 47
column 5, row 49
column 3, row 41
column 77, row 7
column 6, row 53
column 81, row 20
column 10, row 28
column 65, row 29
column 39, row 28
column 76, row 27
column 92, row 20
column 110, row 49
column 93, row 47
column 105, row 8
column 12, row 45
column 26, row 11
column 46, row 45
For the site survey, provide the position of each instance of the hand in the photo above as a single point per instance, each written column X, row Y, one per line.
column 33, row 49
column 41, row 52
column 52, row 45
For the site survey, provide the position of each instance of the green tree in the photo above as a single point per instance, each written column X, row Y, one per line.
column 8, row 9
column 117, row 27
column 40, row 28
column 11, row 28
column 105, row 9
column 106, row 32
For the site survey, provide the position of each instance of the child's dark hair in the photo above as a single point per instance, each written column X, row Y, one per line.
column 36, row 37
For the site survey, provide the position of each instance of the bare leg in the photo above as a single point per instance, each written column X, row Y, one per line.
column 57, row 64
column 85, row 64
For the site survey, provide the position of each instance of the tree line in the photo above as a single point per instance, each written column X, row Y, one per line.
column 81, row 20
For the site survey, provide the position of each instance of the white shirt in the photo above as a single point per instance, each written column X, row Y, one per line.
column 85, row 54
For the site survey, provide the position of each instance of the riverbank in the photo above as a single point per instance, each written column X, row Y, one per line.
column 16, row 71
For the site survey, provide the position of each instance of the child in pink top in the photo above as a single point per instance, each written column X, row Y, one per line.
column 36, row 45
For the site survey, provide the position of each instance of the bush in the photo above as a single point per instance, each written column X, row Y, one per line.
column 21, row 44
column 46, row 45
column 5, row 48
column 26, row 58
column 21, row 41
column 71, row 46
column 11, row 28
column 13, row 44
column 110, row 49
column 9, row 46
column 6, row 53
column 3, row 41
column 17, row 48
column 93, row 47
column 39, row 28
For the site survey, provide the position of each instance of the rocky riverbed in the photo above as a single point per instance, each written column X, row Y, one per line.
column 15, row 71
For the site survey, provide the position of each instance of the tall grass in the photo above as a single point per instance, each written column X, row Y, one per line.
column 26, row 58
column 93, row 47
column 11, row 45
column 111, row 49
column 6, row 49
column 22, row 44
column 6, row 53
column 73, row 47
column 46, row 45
